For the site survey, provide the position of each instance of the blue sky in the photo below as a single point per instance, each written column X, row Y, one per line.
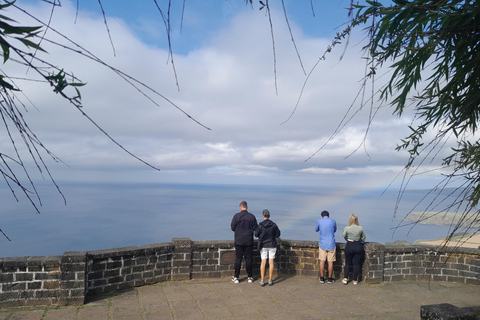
column 203, row 19
column 224, row 63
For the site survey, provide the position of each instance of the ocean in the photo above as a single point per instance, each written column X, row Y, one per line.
column 103, row 216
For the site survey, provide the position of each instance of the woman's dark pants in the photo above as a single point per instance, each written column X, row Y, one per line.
column 354, row 254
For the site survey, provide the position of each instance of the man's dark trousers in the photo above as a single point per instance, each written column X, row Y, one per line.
column 240, row 252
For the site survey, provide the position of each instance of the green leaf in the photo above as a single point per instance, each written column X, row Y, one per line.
column 30, row 44
column 5, row 48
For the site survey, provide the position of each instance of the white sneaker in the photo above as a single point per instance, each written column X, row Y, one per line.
column 344, row 281
column 235, row 280
column 250, row 279
column 355, row 282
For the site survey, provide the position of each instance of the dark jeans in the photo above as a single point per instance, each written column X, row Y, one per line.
column 240, row 252
column 354, row 254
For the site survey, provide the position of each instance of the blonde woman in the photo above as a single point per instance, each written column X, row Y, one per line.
column 354, row 251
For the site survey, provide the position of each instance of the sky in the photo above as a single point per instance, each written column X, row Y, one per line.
column 230, row 80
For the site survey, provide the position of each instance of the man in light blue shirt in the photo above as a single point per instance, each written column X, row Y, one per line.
column 326, row 245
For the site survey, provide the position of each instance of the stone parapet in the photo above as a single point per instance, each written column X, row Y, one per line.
column 30, row 281
column 446, row 311
column 123, row 268
column 68, row 279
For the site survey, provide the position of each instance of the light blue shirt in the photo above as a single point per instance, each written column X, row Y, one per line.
column 327, row 228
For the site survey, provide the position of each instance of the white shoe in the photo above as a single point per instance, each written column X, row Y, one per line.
column 235, row 280
column 250, row 279
column 355, row 282
column 344, row 281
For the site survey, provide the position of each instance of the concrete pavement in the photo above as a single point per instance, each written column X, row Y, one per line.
column 289, row 298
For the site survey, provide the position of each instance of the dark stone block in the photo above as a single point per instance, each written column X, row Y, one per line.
column 70, row 285
column 114, row 265
column 23, row 276
column 118, row 279
column 73, row 301
column 181, row 263
column 74, row 257
column 446, row 311
column 127, row 271
column 141, row 261
column 138, row 283
column 181, row 242
column 12, row 303
column 201, row 262
column 111, row 273
column 397, row 278
column 9, row 296
column 124, row 286
column 95, row 275
column 67, row 277
column 14, row 287
column 177, row 277
column 473, row 281
column 94, row 291
column 34, row 285
column 209, row 268
column 101, row 266
column 14, row 263
column 6, row 277
column 450, row 272
column 128, row 262
column 138, row 269
column 27, row 294
column 98, row 283
column 35, row 268
column 149, row 267
column 46, row 294
column 213, row 244
column 411, row 277
column 112, row 288
column 439, row 278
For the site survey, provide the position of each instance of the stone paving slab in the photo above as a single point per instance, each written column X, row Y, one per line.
column 289, row 298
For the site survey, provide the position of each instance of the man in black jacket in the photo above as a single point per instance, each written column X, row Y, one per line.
column 267, row 234
column 243, row 224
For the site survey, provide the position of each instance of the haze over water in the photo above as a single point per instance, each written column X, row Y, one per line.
column 103, row 216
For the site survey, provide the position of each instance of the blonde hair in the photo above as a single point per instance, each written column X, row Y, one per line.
column 353, row 220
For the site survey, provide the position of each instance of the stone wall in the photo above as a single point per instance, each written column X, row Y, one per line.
column 424, row 262
column 118, row 269
column 68, row 279
column 30, row 281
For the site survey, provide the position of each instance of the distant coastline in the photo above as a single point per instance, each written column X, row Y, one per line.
column 462, row 241
column 438, row 218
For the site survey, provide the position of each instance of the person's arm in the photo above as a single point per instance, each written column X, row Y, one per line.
column 233, row 225
column 258, row 231
column 344, row 234
column 317, row 227
column 277, row 235
column 364, row 236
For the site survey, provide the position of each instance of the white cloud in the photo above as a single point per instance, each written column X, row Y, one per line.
column 228, row 84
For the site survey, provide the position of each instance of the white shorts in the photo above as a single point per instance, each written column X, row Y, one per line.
column 268, row 253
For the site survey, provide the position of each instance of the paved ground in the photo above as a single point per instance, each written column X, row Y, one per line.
column 289, row 298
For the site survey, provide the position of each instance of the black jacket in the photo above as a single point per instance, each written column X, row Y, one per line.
column 267, row 234
column 244, row 224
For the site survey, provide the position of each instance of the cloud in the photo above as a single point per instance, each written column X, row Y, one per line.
column 227, row 82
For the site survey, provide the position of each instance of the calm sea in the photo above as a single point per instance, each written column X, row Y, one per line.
column 102, row 216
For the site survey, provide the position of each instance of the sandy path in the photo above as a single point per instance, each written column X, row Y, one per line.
column 473, row 242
